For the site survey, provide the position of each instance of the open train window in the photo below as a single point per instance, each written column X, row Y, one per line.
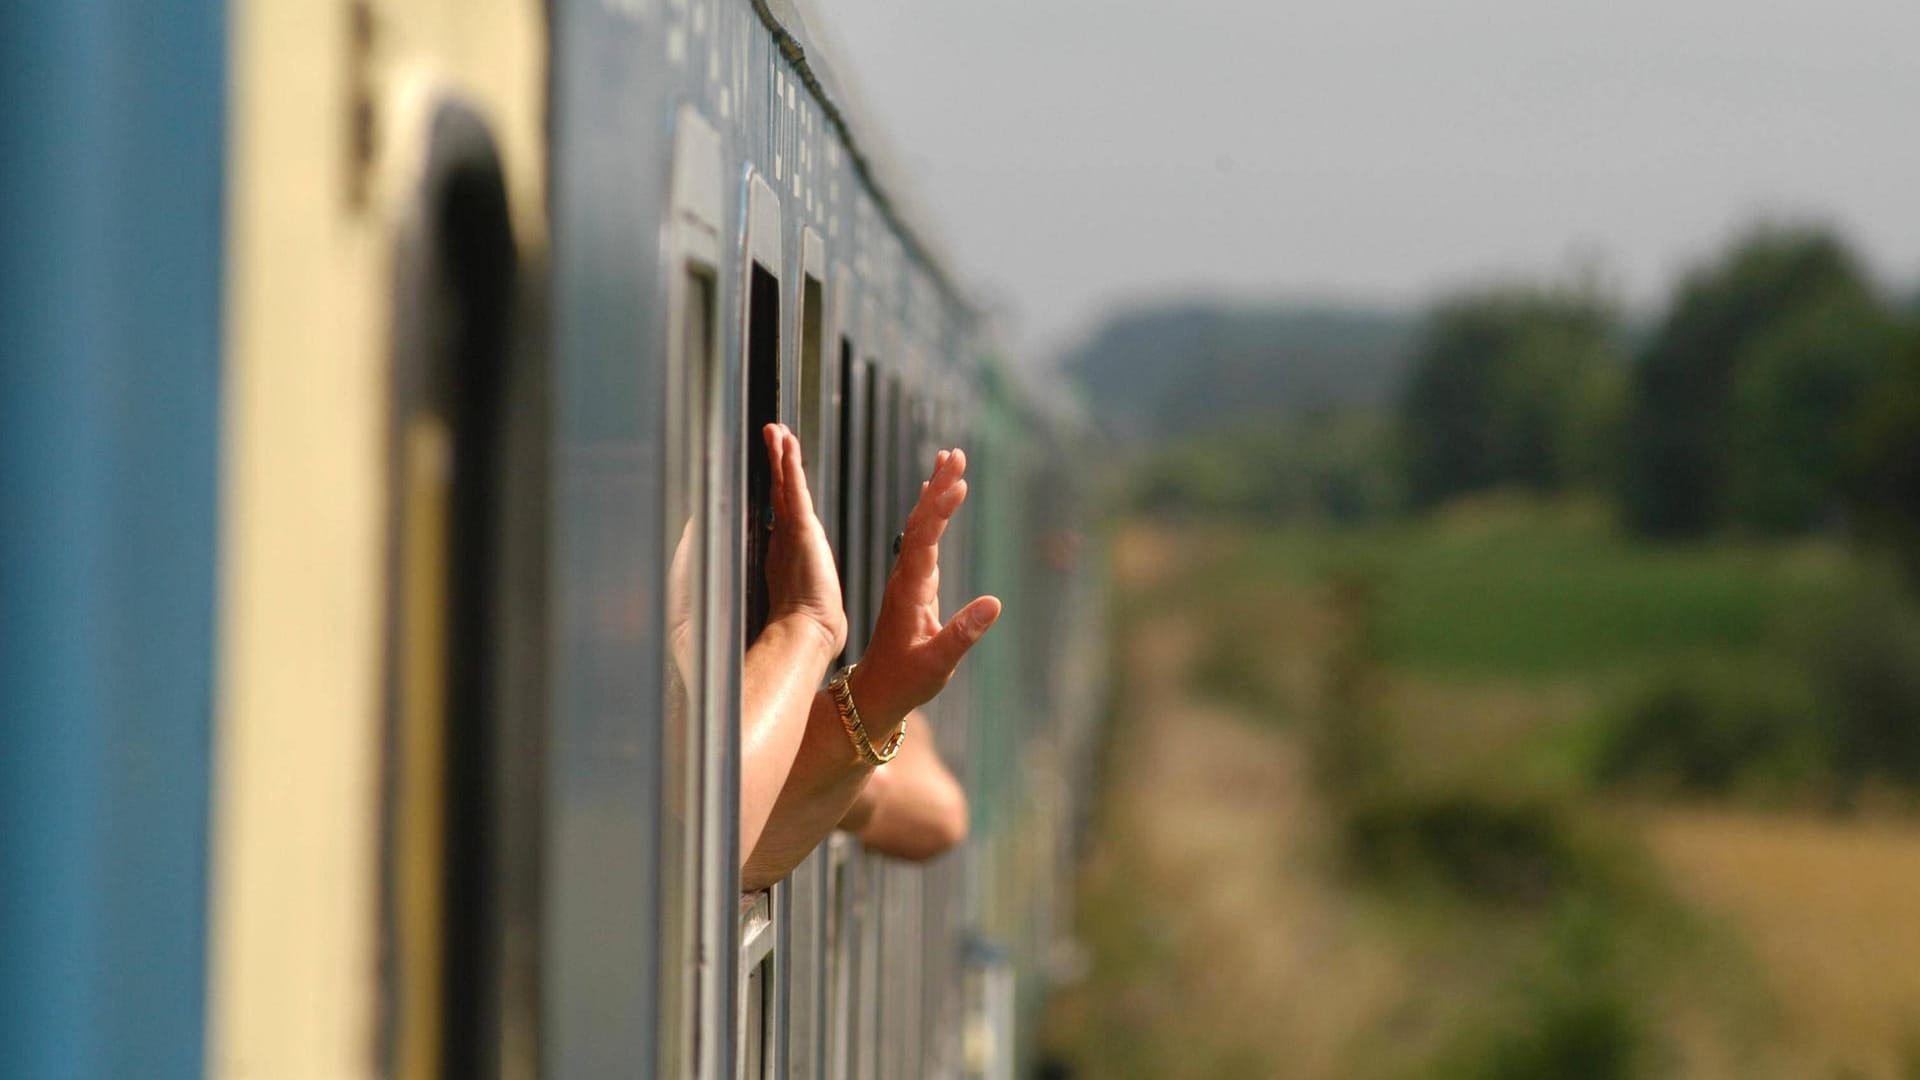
column 886, row 513
column 815, row 412
column 759, row 975
column 848, row 464
column 762, row 390
column 844, row 886
column 763, row 408
column 873, row 486
column 462, row 627
column 693, row 378
column 801, row 912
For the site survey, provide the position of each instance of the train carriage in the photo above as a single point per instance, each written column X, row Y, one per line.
column 382, row 402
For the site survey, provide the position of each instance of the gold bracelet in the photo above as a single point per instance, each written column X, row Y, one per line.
column 864, row 750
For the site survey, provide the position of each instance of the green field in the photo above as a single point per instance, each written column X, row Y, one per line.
column 1356, row 830
column 1501, row 590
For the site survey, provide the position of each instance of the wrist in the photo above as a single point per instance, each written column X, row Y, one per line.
column 879, row 709
column 815, row 639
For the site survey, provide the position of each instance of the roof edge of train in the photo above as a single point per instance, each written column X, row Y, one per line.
column 795, row 25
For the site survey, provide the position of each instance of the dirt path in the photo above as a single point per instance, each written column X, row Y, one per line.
column 1214, row 830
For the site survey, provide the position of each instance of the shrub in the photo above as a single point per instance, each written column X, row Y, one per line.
column 1574, row 1033
column 1864, row 659
column 1712, row 728
column 1479, row 846
column 1832, row 707
column 1570, row 1019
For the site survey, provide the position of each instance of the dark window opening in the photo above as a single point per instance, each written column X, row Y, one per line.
column 843, row 466
column 459, row 790
column 872, row 469
column 763, row 408
column 477, row 249
column 813, row 416
column 884, row 492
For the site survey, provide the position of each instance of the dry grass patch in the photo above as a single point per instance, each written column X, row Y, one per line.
column 1831, row 909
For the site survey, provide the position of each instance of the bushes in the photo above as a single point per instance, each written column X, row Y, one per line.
column 1478, row 846
column 1571, row 1019
column 1831, row 707
column 1336, row 468
column 1715, row 728
column 1864, row 659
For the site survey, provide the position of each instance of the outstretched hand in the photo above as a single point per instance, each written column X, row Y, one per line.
column 912, row 654
column 801, row 582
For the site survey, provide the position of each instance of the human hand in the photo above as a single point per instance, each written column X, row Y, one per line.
column 912, row 655
column 801, row 582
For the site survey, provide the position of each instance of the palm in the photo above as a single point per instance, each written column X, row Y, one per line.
column 801, row 581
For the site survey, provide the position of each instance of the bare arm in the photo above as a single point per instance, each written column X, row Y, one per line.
column 913, row 807
column 782, row 669
column 806, row 627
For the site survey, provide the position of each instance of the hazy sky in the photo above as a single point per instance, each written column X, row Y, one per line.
column 1081, row 153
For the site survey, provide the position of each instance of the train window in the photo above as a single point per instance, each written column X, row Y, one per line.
column 690, row 390
column 758, row 974
column 802, row 913
column 693, row 377
column 763, row 408
column 759, row 978
column 873, row 476
column 842, row 947
column 814, row 414
column 845, row 880
column 848, row 464
column 813, row 373
column 843, row 512
column 887, row 512
column 446, row 883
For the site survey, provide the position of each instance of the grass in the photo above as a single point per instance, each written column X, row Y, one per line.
column 1351, row 833
column 1500, row 591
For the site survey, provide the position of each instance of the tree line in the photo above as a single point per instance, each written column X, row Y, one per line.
column 1778, row 393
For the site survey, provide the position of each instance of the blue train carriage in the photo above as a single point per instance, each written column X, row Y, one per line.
column 371, row 366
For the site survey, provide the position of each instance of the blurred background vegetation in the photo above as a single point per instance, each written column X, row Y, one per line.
column 1517, row 689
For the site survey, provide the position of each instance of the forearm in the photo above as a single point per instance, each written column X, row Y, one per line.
column 825, row 781
column 780, row 675
column 913, row 808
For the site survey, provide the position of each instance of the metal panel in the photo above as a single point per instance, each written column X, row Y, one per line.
column 111, row 130
column 611, row 126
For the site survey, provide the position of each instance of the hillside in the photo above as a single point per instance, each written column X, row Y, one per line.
column 1195, row 368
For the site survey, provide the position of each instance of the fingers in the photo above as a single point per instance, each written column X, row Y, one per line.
column 798, row 498
column 966, row 627
column 940, row 497
column 772, row 436
column 915, row 579
column 791, row 499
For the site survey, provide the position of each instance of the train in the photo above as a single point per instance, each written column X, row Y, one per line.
column 364, row 362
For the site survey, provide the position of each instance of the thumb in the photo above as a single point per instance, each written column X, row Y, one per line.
column 962, row 631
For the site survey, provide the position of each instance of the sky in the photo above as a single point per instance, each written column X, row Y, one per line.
column 1081, row 155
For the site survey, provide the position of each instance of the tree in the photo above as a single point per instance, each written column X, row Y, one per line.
column 1503, row 380
column 1883, row 469
column 1681, row 444
column 1795, row 411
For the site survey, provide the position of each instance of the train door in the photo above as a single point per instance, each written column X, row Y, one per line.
column 458, row 846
